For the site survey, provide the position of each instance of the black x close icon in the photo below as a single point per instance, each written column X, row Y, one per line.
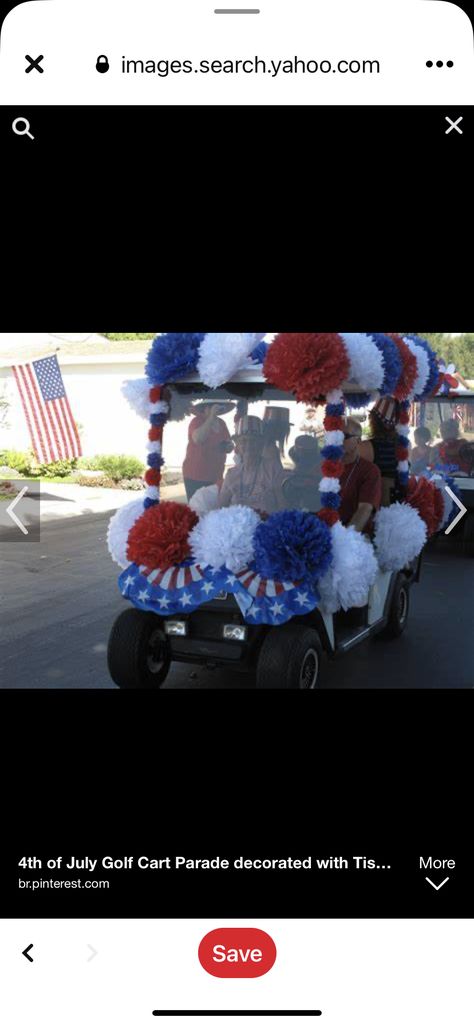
column 34, row 63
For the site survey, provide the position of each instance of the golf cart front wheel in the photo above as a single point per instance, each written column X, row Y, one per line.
column 399, row 608
column 137, row 654
column 290, row 658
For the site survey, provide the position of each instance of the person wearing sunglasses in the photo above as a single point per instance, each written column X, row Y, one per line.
column 361, row 482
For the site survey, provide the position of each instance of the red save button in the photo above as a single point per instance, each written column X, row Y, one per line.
column 237, row 953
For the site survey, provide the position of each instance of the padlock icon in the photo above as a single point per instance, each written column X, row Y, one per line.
column 102, row 64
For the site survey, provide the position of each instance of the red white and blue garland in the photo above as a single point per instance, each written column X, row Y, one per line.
column 293, row 561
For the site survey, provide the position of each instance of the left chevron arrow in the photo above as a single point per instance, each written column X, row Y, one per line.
column 26, row 954
column 10, row 508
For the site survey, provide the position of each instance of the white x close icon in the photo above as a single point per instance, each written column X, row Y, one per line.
column 453, row 124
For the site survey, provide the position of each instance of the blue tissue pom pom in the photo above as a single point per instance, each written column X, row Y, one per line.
column 172, row 356
column 259, row 353
column 335, row 409
column 155, row 460
column 403, row 441
column 149, row 501
column 332, row 452
column 330, row 500
column 158, row 419
column 393, row 367
column 293, row 545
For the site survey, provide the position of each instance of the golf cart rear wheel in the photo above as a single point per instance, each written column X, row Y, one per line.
column 137, row 654
column 399, row 608
column 290, row 658
column 468, row 536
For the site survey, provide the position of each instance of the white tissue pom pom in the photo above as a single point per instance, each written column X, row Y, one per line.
column 403, row 466
column 152, row 492
column 334, row 438
column 423, row 366
column 367, row 368
column 225, row 538
column 154, row 446
column 329, row 484
column 118, row 530
column 221, row 355
column 352, row 572
column 334, row 396
column 205, row 499
column 137, row 394
column 400, row 534
column 158, row 407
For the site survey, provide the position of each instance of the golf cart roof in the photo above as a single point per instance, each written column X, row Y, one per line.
column 250, row 376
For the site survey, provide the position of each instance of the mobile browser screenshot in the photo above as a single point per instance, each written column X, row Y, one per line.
column 236, row 512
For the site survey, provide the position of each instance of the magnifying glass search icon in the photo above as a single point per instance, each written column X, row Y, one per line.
column 22, row 127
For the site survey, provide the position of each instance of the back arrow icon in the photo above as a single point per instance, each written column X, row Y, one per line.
column 434, row 884
column 26, row 954
column 9, row 510
column 94, row 952
column 459, row 515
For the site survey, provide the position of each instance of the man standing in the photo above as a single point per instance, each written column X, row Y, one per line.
column 209, row 442
column 361, row 482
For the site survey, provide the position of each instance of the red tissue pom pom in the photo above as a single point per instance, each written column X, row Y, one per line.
column 404, row 416
column 159, row 538
column 329, row 516
column 155, row 393
column 333, row 423
column 332, row 468
column 153, row 476
column 309, row 365
column 427, row 499
column 155, row 433
column 409, row 369
column 401, row 454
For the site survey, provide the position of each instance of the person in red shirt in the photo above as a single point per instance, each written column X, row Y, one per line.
column 209, row 441
column 361, row 482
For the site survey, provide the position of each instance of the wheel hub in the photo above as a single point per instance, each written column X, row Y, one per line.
column 309, row 670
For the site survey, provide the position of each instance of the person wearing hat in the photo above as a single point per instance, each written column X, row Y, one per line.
column 276, row 429
column 209, row 441
column 255, row 481
column 381, row 447
column 361, row 482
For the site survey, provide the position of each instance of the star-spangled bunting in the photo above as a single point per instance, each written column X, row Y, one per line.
column 186, row 587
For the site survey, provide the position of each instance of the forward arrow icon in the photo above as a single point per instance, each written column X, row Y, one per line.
column 434, row 884
column 460, row 514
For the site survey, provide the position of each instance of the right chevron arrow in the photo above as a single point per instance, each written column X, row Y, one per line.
column 460, row 514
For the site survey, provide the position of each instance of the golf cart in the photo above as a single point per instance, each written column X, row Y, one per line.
column 241, row 617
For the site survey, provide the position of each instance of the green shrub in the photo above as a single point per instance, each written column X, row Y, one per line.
column 88, row 463
column 20, row 461
column 60, row 468
column 26, row 464
column 119, row 467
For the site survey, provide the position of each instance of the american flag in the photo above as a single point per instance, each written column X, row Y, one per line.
column 53, row 431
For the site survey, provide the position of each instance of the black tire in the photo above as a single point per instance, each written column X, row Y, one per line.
column 137, row 654
column 468, row 536
column 399, row 609
column 290, row 658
